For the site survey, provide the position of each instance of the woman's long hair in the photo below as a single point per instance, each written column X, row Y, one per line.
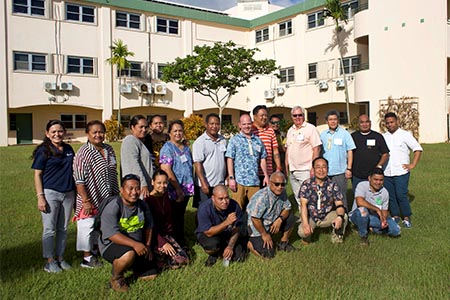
column 46, row 143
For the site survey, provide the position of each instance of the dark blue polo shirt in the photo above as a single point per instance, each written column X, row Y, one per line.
column 56, row 169
column 208, row 216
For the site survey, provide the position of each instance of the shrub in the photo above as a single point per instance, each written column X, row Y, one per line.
column 193, row 127
column 407, row 111
column 112, row 134
column 229, row 129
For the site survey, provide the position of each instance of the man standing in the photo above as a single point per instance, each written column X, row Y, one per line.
column 302, row 146
column 371, row 151
column 245, row 153
column 208, row 152
column 398, row 168
column 269, row 212
column 126, row 231
column 370, row 209
column 267, row 135
column 338, row 148
column 322, row 205
column 275, row 125
column 219, row 222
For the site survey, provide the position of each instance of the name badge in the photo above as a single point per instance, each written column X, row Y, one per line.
column 183, row 158
column 258, row 148
column 300, row 138
column 337, row 141
column 370, row 142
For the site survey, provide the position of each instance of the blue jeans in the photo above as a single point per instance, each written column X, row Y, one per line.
column 364, row 220
column 55, row 222
column 397, row 187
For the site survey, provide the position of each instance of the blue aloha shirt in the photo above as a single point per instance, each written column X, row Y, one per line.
column 181, row 163
column 267, row 206
column 246, row 163
column 330, row 194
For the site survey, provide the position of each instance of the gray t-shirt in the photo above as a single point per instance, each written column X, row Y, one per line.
column 130, row 221
column 379, row 199
column 136, row 159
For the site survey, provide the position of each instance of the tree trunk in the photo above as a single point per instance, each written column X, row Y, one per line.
column 119, row 106
column 347, row 101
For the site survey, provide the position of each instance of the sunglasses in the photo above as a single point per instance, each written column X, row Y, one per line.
column 274, row 122
column 279, row 183
column 298, row 115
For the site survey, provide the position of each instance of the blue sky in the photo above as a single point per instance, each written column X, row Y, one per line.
column 225, row 4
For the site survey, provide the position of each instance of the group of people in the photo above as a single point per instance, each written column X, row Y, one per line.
column 238, row 187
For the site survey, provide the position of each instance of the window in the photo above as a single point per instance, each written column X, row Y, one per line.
column 80, row 13
column 125, row 120
column 30, row 62
column 343, row 119
column 12, row 122
column 226, row 119
column 350, row 8
column 135, row 70
column 29, row 7
column 316, row 19
column 160, row 70
column 285, row 28
column 74, row 121
column 80, row 65
column 166, row 25
column 287, row 75
column 351, row 65
column 312, row 71
column 128, row 20
column 262, row 35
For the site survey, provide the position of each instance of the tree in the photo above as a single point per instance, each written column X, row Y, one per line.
column 119, row 54
column 333, row 9
column 218, row 71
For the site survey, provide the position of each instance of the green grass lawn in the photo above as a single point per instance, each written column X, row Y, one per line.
column 414, row 266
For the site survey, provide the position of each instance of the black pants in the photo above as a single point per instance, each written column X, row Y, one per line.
column 219, row 242
column 178, row 211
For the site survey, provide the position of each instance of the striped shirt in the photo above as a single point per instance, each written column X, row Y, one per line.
column 269, row 139
column 97, row 173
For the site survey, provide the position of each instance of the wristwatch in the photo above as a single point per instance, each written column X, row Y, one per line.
column 231, row 178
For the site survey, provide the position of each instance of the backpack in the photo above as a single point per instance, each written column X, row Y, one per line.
column 101, row 208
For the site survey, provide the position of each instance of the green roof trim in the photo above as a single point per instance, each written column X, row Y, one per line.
column 209, row 16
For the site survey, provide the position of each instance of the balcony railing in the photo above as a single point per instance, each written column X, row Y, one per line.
column 362, row 6
column 364, row 66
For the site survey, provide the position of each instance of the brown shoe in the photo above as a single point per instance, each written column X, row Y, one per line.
column 119, row 284
column 147, row 277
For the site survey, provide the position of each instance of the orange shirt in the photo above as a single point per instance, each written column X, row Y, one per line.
column 299, row 146
column 269, row 139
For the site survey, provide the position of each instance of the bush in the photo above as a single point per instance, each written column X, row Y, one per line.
column 112, row 134
column 407, row 111
column 193, row 127
column 229, row 129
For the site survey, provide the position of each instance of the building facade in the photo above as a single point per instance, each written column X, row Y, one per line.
column 54, row 55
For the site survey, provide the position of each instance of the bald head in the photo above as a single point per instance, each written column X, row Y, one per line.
column 220, row 197
column 277, row 183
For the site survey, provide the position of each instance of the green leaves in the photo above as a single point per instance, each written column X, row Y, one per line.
column 119, row 54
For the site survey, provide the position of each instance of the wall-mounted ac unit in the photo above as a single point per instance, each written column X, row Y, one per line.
column 145, row 88
column 126, row 88
column 65, row 86
column 160, row 89
column 50, row 86
column 280, row 91
column 323, row 85
column 340, row 83
column 269, row 94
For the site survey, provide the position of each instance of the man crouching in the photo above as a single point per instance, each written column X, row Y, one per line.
column 126, row 230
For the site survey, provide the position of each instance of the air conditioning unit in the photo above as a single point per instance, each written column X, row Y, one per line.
column 65, row 86
column 280, row 91
column 145, row 88
column 323, row 85
column 50, row 86
column 126, row 88
column 269, row 94
column 340, row 83
column 160, row 89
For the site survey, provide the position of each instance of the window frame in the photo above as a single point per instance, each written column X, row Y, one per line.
column 159, row 71
column 311, row 72
column 351, row 65
column 128, row 21
column 289, row 74
column 288, row 30
column 29, row 62
column 81, row 65
column 132, row 71
column 262, row 35
column 168, row 26
column 350, row 8
column 29, row 8
column 318, row 21
column 74, row 123
column 81, row 14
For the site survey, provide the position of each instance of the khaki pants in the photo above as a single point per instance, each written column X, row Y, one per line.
column 242, row 193
column 327, row 222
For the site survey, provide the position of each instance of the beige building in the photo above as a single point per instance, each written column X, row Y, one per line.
column 53, row 60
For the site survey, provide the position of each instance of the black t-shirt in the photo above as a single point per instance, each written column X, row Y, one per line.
column 367, row 153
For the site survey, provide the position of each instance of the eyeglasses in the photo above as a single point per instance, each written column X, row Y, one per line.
column 277, row 184
column 274, row 122
column 297, row 115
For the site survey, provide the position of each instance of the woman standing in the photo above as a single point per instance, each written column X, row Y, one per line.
column 169, row 253
column 95, row 173
column 155, row 139
column 55, row 191
column 135, row 157
column 176, row 161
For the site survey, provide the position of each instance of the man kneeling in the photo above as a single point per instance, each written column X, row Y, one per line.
column 219, row 222
column 126, row 230
column 269, row 212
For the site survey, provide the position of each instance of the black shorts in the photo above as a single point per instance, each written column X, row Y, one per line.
column 141, row 265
